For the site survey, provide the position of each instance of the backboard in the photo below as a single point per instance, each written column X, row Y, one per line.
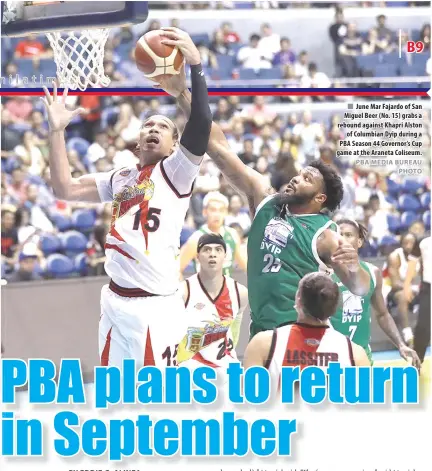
column 20, row 18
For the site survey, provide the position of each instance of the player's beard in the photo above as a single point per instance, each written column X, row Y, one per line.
column 293, row 199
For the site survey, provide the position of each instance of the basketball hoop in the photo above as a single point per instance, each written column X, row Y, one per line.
column 79, row 56
column 77, row 32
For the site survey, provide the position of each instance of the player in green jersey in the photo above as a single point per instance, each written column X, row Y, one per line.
column 353, row 318
column 291, row 235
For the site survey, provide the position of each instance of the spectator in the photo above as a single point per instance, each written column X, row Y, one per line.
column 123, row 157
column 30, row 155
column 425, row 36
column 254, row 57
column 124, row 36
column 97, row 150
column 315, row 79
column 219, row 45
column 128, row 125
column 9, row 239
column 337, row 32
column 38, row 213
column 270, row 42
column 10, row 137
column 266, row 138
column 259, row 114
column 311, row 135
column 229, row 35
column 30, row 47
column 375, row 45
column 236, row 215
column 350, row 48
column 208, row 58
column 301, row 66
column 27, row 267
column 384, row 33
column 237, row 135
column 20, row 108
column 247, row 156
column 285, row 55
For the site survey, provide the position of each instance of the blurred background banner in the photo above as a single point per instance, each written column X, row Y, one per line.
column 263, row 44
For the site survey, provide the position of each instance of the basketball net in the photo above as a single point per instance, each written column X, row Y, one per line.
column 79, row 56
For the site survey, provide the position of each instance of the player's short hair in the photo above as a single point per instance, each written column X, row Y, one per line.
column 361, row 230
column 333, row 186
column 215, row 196
column 319, row 295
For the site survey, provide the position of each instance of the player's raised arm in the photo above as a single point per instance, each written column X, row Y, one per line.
column 195, row 137
column 65, row 187
column 344, row 260
column 241, row 177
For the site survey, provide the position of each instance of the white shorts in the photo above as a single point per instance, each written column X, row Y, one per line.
column 146, row 329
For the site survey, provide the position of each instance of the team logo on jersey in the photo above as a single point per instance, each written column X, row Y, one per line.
column 125, row 173
column 199, row 306
column 312, row 342
column 278, row 232
column 131, row 196
column 198, row 338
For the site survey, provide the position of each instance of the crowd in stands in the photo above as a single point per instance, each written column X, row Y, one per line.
column 45, row 237
column 264, row 55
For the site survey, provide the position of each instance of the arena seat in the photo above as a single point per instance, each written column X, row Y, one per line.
column 425, row 200
column 80, row 264
column 407, row 218
column 78, row 144
column 83, row 220
column 393, row 187
column 185, row 234
column 411, row 186
column 393, row 223
column 62, row 222
column 408, row 203
column 427, row 219
column 73, row 242
column 387, row 244
column 59, row 266
column 49, row 244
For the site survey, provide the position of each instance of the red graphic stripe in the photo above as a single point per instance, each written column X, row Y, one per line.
column 106, row 350
column 201, row 359
column 115, row 234
column 119, row 250
column 223, row 304
column 145, row 174
column 297, row 341
column 148, row 352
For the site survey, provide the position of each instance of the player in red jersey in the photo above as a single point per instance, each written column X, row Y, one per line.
column 214, row 307
column 142, row 306
column 310, row 341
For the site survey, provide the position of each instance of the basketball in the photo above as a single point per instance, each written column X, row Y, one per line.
column 154, row 58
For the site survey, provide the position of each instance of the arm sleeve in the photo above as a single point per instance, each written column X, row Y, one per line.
column 104, row 185
column 180, row 173
column 195, row 137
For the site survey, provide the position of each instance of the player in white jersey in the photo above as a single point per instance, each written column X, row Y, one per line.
column 310, row 341
column 214, row 307
column 142, row 309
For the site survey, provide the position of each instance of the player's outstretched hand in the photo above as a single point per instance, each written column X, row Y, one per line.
column 408, row 353
column 58, row 115
column 346, row 255
column 179, row 38
column 175, row 85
